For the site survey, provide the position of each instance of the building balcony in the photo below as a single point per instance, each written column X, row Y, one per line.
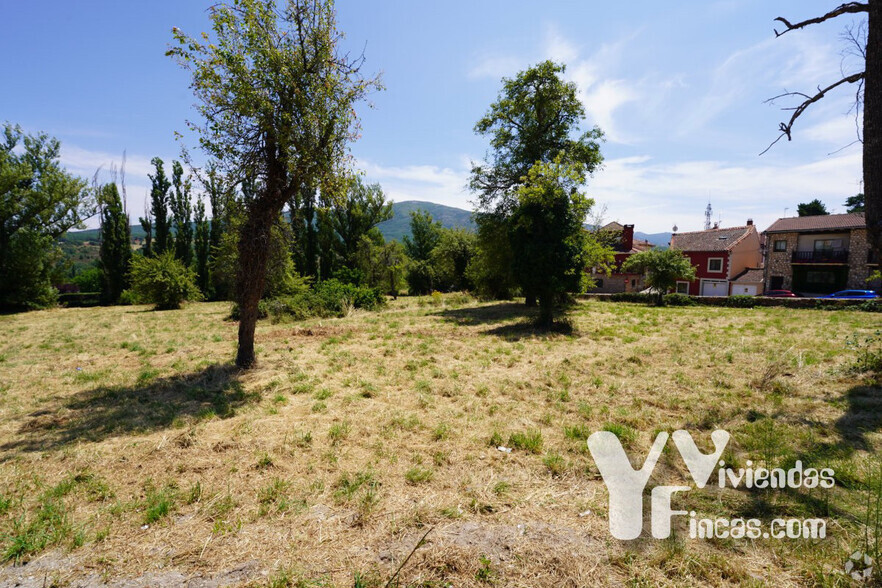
column 821, row 256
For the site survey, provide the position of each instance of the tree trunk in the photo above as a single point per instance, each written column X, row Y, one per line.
column 546, row 309
column 254, row 246
column 311, row 237
column 872, row 139
column 530, row 299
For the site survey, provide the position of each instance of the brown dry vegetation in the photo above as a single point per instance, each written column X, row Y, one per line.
column 130, row 448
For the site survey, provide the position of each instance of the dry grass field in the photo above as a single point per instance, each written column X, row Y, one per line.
column 133, row 454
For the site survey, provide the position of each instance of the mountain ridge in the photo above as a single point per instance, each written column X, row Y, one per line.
column 397, row 227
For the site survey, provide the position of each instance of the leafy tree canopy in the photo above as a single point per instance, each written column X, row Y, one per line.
column 535, row 118
column 855, row 203
column 813, row 208
column 277, row 101
column 663, row 267
column 39, row 201
column 548, row 238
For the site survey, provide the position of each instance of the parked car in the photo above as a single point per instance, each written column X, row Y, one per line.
column 852, row 295
column 781, row 294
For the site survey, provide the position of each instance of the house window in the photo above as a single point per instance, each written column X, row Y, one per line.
column 821, row 278
column 599, row 284
column 780, row 245
column 682, row 287
column 828, row 244
column 715, row 264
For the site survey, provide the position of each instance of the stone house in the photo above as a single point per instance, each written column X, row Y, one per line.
column 817, row 255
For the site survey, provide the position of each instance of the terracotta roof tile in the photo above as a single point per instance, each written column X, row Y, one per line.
column 750, row 275
column 711, row 240
column 821, row 222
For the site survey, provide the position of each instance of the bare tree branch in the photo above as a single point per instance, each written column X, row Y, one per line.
column 786, row 128
column 847, row 8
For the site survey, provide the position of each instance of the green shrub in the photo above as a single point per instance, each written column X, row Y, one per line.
column 626, row 434
column 328, row 299
column 89, row 280
column 871, row 306
column 420, row 278
column 679, row 300
column 631, row 297
column 335, row 296
column 529, row 441
column 163, row 281
column 740, row 301
column 868, row 352
column 128, row 298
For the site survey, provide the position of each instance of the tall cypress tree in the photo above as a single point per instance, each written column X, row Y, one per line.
column 181, row 209
column 116, row 249
column 218, row 194
column 147, row 224
column 202, row 244
column 162, row 237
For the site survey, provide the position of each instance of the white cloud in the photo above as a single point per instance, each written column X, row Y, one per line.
column 85, row 162
column 790, row 63
column 601, row 92
column 655, row 196
column 558, row 48
column 442, row 185
column 603, row 99
column 838, row 132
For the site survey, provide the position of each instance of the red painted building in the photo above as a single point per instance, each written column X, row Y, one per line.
column 719, row 256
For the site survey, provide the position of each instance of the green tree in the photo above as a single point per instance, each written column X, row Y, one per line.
column 147, row 224
column 351, row 217
column 855, row 203
column 383, row 263
column 536, row 118
column 451, row 257
column 218, row 195
column 163, row 280
column 90, row 279
column 277, row 102
column 303, row 208
column 425, row 234
column 156, row 222
column 116, row 244
column 813, row 208
column 547, row 233
column 490, row 269
column 202, row 246
column 663, row 267
column 281, row 278
column 39, row 201
column 181, row 215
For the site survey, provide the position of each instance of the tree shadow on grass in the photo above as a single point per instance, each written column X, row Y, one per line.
column 487, row 315
column 108, row 411
column 501, row 314
column 863, row 415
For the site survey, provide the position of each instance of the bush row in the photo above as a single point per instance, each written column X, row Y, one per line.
column 331, row 298
column 743, row 301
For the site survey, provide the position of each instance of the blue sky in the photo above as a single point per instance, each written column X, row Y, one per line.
column 678, row 88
